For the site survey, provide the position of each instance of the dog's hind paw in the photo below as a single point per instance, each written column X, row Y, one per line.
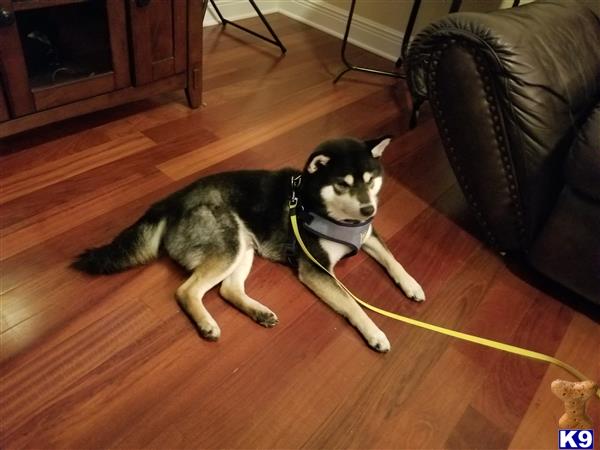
column 266, row 318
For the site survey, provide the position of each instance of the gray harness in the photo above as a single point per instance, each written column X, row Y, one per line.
column 351, row 234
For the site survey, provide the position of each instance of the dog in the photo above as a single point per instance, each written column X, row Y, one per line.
column 214, row 226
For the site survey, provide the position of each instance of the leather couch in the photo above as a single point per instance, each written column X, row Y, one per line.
column 516, row 98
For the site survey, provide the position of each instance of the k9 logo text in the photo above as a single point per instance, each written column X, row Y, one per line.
column 568, row 439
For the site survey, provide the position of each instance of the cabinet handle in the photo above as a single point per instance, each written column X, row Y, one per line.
column 142, row 3
column 7, row 18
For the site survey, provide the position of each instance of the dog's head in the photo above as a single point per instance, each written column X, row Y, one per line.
column 343, row 177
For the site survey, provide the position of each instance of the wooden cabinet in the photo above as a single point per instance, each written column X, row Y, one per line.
column 60, row 54
column 12, row 63
column 158, row 38
column 60, row 58
column 3, row 106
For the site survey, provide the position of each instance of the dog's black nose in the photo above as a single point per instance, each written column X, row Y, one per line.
column 367, row 210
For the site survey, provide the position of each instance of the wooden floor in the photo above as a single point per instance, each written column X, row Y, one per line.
column 112, row 362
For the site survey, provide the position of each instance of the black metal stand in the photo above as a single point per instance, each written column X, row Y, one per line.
column 408, row 32
column 414, row 12
column 275, row 39
column 349, row 65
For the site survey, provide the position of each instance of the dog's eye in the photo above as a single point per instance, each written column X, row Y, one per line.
column 341, row 185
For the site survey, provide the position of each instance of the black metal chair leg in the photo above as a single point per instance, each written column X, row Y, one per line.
column 223, row 20
column 408, row 31
column 454, row 6
column 414, row 12
column 276, row 41
column 348, row 64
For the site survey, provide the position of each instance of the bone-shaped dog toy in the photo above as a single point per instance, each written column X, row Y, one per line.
column 575, row 396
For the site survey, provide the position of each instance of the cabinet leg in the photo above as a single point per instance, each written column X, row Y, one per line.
column 196, row 12
column 193, row 91
column 194, row 97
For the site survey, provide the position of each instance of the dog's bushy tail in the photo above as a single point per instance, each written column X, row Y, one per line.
column 134, row 246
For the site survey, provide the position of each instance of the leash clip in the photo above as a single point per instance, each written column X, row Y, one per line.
column 295, row 181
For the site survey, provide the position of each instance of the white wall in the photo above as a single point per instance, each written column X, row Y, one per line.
column 378, row 25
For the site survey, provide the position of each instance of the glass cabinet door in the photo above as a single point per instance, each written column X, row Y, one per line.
column 70, row 49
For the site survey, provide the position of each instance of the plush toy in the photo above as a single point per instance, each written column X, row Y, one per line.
column 575, row 395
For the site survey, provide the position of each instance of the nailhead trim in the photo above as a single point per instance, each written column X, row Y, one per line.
column 498, row 131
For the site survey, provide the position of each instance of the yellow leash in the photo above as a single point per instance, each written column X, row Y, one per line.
column 448, row 332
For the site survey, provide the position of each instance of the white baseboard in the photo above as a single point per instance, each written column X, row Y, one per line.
column 367, row 34
column 364, row 33
column 238, row 10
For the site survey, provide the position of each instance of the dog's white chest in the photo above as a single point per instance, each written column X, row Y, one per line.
column 335, row 251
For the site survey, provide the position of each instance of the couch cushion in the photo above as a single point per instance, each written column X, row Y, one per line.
column 583, row 163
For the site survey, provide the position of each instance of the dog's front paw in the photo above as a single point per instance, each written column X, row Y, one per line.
column 412, row 289
column 378, row 341
column 209, row 330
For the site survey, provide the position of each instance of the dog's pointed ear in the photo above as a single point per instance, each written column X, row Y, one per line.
column 377, row 146
column 315, row 162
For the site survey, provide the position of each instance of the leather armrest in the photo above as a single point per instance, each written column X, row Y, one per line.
column 508, row 91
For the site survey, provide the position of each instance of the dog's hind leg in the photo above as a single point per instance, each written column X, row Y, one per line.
column 232, row 290
column 327, row 289
column 208, row 274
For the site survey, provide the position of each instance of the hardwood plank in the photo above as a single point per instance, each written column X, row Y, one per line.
column 13, row 160
column 76, row 358
column 239, row 99
column 109, row 123
column 42, row 175
column 476, row 428
column 54, row 226
column 71, row 192
column 512, row 382
column 101, row 101
column 505, row 316
column 186, row 165
column 579, row 348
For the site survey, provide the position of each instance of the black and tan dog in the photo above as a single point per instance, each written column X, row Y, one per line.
column 214, row 226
